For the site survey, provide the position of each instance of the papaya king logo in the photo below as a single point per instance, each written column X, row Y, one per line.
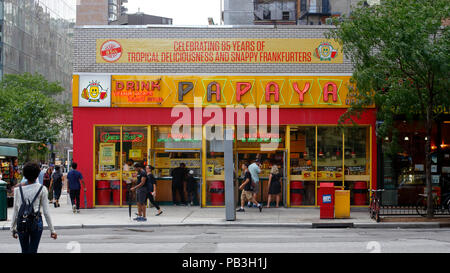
column 111, row 51
column 94, row 92
column 325, row 52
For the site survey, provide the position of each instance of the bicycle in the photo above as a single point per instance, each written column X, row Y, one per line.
column 374, row 207
column 438, row 207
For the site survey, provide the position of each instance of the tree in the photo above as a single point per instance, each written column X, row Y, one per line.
column 401, row 55
column 29, row 111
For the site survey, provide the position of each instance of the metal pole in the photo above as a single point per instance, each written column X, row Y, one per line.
column 230, row 209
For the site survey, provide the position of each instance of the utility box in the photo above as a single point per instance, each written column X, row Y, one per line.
column 326, row 199
column 3, row 202
column 342, row 204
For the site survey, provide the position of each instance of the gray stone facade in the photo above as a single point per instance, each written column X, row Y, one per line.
column 85, row 49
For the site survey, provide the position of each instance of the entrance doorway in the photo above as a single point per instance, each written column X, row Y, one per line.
column 267, row 160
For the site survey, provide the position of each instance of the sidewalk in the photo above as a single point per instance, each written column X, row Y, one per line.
column 63, row 218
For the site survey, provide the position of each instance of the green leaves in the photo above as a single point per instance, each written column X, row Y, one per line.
column 28, row 110
column 401, row 56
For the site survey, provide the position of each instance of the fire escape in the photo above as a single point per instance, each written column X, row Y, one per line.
column 314, row 8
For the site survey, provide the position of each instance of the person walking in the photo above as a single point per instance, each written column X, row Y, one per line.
column 191, row 187
column 247, row 188
column 46, row 182
column 151, row 187
column 178, row 177
column 255, row 170
column 74, row 180
column 56, row 185
column 141, row 193
column 274, row 186
column 32, row 191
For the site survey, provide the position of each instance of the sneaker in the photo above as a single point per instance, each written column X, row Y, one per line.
column 141, row 219
column 241, row 210
column 54, row 204
column 249, row 204
column 159, row 213
column 78, row 211
column 137, row 218
column 74, row 208
column 260, row 207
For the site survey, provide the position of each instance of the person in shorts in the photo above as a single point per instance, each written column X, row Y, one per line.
column 247, row 188
column 141, row 193
column 255, row 170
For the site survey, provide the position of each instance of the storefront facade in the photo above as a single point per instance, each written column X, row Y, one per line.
column 163, row 95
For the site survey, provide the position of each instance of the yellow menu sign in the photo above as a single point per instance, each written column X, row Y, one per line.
column 218, row 51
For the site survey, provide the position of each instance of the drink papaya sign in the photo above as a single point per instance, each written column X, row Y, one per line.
column 169, row 91
column 218, row 51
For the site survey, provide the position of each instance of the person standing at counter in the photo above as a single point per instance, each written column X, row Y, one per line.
column 141, row 192
column 178, row 178
column 191, row 187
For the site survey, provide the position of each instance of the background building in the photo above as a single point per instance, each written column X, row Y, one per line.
column 140, row 18
column 95, row 12
column 302, row 12
column 37, row 37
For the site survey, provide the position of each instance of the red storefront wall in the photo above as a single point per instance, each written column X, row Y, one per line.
column 84, row 120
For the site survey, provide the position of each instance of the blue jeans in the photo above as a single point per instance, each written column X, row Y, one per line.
column 29, row 241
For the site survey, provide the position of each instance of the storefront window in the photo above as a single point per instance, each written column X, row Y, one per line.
column 107, row 167
column 255, row 136
column 357, row 164
column 134, row 150
column 167, row 153
column 302, row 161
column 329, row 155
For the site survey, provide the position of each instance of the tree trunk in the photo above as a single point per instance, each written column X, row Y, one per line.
column 429, row 126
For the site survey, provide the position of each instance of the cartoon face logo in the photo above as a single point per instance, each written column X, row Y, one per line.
column 325, row 52
column 94, row 92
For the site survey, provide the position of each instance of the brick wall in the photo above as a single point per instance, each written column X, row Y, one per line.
column 85, row 49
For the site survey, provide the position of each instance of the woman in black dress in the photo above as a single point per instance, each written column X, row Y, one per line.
column 274, row 186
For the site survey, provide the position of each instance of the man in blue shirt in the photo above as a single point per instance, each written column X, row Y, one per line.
column 74, row 178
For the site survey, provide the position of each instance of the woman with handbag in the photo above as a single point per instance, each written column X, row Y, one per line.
column 36, row 194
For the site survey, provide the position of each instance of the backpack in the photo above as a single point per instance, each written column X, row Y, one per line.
column 28, row 219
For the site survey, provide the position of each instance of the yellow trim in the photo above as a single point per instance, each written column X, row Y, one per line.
column 75, row 90
column 203, row 168
column 121, row 163
column 316, row 193
column 343, row 158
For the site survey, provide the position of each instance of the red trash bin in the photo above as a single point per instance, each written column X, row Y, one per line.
column 297, row 192
column 103, row 192
column 360, row 193
column 326, row 200
column 217, row 191
column 116, row 192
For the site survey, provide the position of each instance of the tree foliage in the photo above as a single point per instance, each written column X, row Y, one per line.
column 401, row 55
column 28, row 109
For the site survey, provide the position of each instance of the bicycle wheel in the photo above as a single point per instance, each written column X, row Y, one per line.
column 421, row 206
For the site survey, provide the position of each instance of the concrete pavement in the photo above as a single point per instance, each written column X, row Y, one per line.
column 63, row 218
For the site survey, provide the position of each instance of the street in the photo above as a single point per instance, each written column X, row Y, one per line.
column 241, row 239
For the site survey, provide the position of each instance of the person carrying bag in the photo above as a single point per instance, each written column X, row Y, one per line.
column 27, row 222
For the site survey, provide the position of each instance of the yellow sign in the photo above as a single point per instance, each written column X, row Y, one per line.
column 284, row 91
column 218, row 51
column 107, row 154
column 135, row 154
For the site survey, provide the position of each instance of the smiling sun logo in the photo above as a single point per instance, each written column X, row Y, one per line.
column 94, row 92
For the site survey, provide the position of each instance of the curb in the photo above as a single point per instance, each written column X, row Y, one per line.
column 416, row 225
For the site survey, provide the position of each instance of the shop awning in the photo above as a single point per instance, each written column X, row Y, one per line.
column 8, row 151
column 14, row 141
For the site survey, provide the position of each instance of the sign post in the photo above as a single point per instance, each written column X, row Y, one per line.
column 230, row 209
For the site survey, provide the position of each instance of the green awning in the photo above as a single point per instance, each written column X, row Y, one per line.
column 8, row 151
